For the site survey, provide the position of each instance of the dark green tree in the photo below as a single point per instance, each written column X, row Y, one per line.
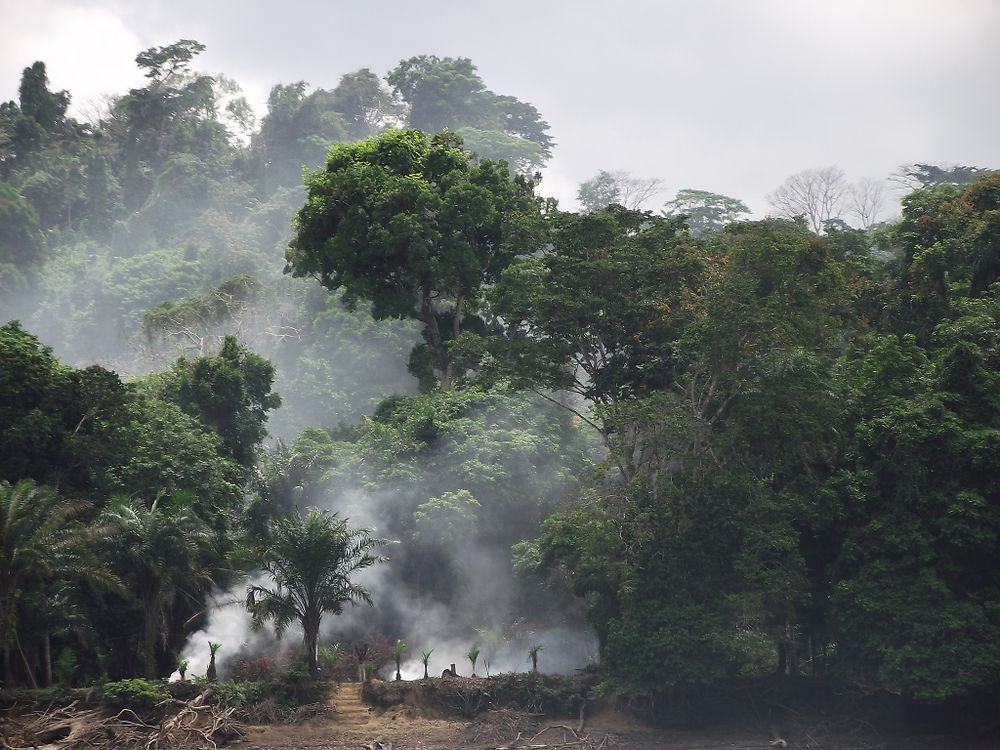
column 230, row 393
column 414, row 226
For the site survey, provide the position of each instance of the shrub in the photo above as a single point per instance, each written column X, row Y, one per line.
column 137, row 693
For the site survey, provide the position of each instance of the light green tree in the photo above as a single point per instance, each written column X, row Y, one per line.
column 705, row 211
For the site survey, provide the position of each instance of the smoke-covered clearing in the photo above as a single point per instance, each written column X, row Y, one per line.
column 486, row 614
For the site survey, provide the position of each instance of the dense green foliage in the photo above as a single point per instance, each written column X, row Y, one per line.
column 139, row 509
column 736, row 448
column 411, row 224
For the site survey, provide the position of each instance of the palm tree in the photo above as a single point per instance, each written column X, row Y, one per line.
column 162, row 551
column 311, row 561
column 425, row 657
column 211, row 673
column 533, row 656
column 474, row 656
column 397, row 651
column 41, row 540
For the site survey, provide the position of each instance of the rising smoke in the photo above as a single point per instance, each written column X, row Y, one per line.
column 483, row 610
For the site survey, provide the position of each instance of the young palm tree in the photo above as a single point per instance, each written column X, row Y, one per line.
column 397, row 651
column 425, row 657
column 533, row 656
column 161, row 550
column 474, row 657
column 41, row 541
column 212, row 674
column 311, row 560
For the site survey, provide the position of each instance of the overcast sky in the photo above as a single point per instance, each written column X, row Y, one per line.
column 731, row 96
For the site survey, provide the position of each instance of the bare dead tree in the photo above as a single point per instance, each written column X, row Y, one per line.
column 635, row 191
column 866, row 201
column 618, row 187
column 817, row 194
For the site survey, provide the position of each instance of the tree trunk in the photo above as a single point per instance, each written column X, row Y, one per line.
column 8, row 668
column 47, row 659
column 310, row 629
column 428, row 316
column 28, row 671
column 149, row 640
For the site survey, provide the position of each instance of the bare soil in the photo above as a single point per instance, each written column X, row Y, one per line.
column 357, row 726
column 424, row 716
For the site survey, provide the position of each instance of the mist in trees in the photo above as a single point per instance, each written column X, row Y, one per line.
column 706, row 448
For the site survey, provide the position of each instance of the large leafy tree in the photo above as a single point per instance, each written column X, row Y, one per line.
column 711, row 377
column 915, row 492
column 415, row 226
column 599, row 315
column 230, row 392
column 311, row 561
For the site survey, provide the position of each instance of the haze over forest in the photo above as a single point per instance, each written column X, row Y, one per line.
column 726, row 409
column 723, row 96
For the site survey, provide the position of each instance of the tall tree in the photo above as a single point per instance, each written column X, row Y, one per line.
column 366, row 106
column 173, row 116
column 413, row 225
column 311, row 561
column 449, row 93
